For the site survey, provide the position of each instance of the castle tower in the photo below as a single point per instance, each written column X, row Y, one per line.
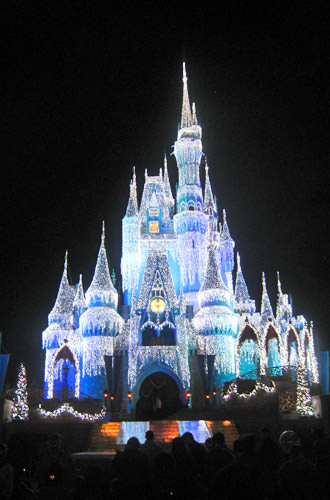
column 190, row 222
column 99, row 325
column 60, row 341
column 217, row 327
column 131, row 244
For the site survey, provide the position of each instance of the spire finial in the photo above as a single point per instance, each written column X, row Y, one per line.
column 238, row 260
column 66, row 260
column 194, row 115
column 279, row 287
column 165, row 162
column 145, row 174
column 186, row 111
column 224, row 216
column 103, row 232
column 263, row 280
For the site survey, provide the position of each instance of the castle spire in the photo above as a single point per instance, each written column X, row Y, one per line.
column 213, row 290
column 225, row 234
column 208, row 195
column 101, row 291
column 266, row 307
column 241, row 291
column 65, row 296
column 132, row 205
column 283, row 307
column 167, row 185
column 186, row 110
column 79, row 300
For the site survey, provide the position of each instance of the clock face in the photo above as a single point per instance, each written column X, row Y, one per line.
column 157, row 306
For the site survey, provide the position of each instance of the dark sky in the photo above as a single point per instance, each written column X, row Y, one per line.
column 90, row 89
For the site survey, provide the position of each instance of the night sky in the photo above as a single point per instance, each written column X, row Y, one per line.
column 90, row 89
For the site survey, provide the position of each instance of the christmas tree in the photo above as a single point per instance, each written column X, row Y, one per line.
column 20, row 409
column 304, row 399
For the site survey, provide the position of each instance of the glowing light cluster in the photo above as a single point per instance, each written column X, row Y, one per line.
column 260, row 386
column 304, row 400
column 66, row 408
column 20, row 408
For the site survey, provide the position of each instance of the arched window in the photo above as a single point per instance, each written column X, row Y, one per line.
column 249, row 353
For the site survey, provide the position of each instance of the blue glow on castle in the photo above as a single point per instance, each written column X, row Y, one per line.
column 187, row 322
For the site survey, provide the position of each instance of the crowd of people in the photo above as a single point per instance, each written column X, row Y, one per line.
column 257, row 468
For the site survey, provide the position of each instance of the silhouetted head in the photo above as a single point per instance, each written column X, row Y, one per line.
column 218, row 440
column 132, row 444
column 149, row 435
column 188, row 438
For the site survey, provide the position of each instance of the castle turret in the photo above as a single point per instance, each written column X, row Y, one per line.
column 283, row 307
column 79, row 303
column 216, row 325
column 227, row 246
column 99, row 325
column 168, row 190
column 190, row 223
column 188, row 153
column 131, row 244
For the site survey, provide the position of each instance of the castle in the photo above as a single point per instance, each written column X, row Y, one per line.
column 187, row 322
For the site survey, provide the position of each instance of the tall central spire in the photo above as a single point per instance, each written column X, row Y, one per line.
column 186, row 120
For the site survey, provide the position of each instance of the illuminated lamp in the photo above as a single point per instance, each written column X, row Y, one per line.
column 112, row 397
column 214, row 392
column 105, row 394
column 207, row 396
column 129, row 395
column 226, row 423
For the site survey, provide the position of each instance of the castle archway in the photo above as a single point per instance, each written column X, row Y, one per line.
column 159, row 396
column 64, row 375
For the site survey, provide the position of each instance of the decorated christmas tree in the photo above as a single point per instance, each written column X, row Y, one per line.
column 304, row 399
column 20, row 409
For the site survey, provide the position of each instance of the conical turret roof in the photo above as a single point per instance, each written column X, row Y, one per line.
column 167, row 185
column 283, row 307
column 241, row 290
column 266, row 307
column 208, row 195
column 79, row 300
column 213, row 290
column 101, row 291
column 132, row 205
column 225, row 234
column 62, row 310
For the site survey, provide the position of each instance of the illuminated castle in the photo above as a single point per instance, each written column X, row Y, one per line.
column 187, row 322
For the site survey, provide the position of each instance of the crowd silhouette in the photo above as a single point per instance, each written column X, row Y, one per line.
column 257, row 468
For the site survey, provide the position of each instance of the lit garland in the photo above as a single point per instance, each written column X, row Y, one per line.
column 20, row 408
column 260, row 386
column 66, row 408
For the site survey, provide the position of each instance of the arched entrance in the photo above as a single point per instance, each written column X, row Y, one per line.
column 158, row 397
column 63, row 378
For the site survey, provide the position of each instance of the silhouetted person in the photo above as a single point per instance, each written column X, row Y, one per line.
column 150, row 448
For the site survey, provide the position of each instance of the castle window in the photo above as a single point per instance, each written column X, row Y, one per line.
column 153, row 212
column 153, row 226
